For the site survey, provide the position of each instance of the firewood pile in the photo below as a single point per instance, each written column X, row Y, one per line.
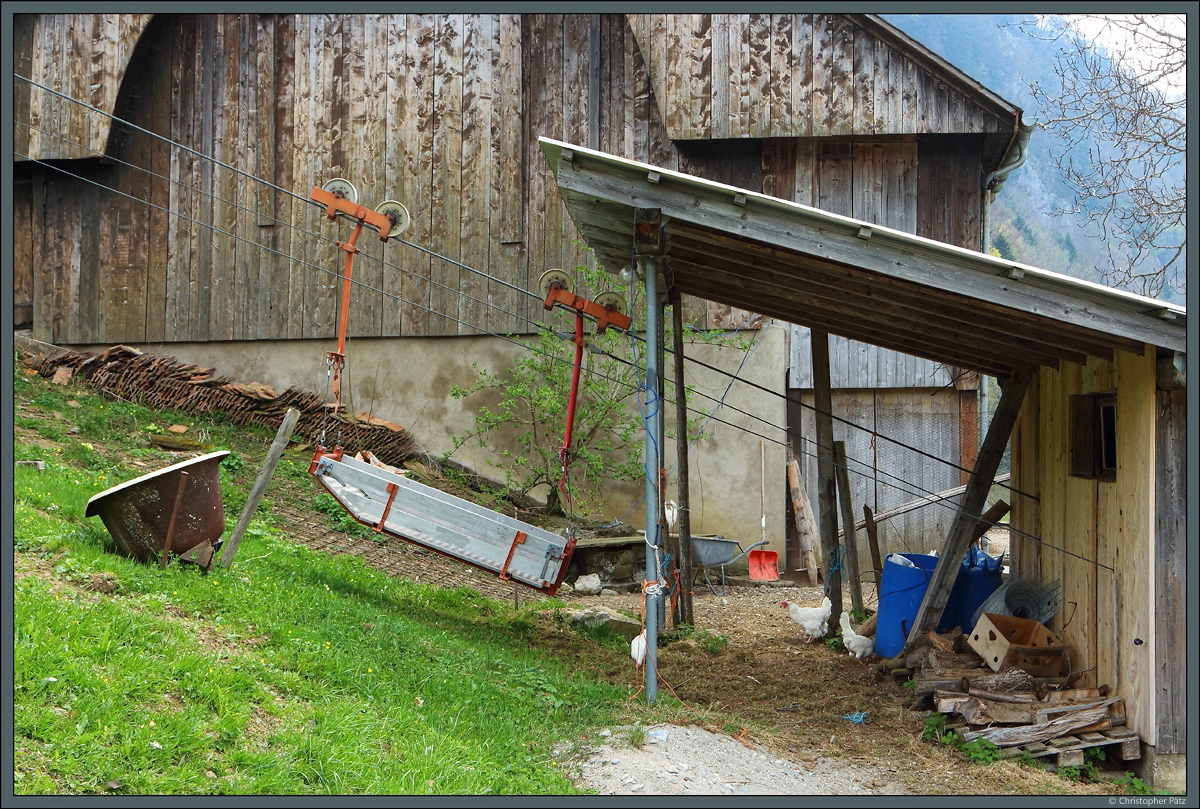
column 1022, row 714
column 163, row 382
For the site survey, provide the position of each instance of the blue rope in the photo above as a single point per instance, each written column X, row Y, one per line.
column 835, row 566
column 858, row 717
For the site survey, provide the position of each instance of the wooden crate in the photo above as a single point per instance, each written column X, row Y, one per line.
column 1004, row 641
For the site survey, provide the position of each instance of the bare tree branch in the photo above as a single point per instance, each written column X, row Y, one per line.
column 1122, row 138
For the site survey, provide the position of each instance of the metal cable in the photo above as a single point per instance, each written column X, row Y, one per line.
column 492, row 278
column 302, row 230
column 525, row 346
column 634, row 337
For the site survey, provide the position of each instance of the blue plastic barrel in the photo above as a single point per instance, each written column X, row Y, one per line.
column 977, row 579
column 901, row 589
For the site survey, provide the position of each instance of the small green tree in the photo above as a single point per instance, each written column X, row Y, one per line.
column 531, row 413
column 525, row 426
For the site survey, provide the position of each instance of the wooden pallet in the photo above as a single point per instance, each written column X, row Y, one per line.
column 1120, row 743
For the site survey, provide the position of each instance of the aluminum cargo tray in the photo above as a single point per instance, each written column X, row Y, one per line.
column 441, row 522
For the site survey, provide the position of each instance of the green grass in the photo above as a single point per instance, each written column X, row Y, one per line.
column 291, row 672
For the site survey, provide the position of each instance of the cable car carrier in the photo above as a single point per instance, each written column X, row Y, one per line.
column 386, row 500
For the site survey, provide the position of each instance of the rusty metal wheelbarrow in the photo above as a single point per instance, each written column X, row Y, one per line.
column 717, row 552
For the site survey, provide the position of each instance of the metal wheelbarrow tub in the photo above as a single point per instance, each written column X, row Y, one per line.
column 717, row 552
column 137, row 513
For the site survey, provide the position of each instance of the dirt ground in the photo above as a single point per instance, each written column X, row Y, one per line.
column 795, row 696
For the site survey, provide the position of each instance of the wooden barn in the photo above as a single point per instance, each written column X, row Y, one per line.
column 823, row 170
column 1093, row 398
column 443, row 112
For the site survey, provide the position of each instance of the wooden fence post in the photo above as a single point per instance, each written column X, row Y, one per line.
column 260, row 485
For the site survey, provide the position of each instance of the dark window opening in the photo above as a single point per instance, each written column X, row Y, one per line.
column 1094, row 436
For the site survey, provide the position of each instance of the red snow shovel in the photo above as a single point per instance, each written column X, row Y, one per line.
column 763, row 565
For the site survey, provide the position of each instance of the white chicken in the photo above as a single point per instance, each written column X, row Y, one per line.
column 637, row 650
column 813, row 620
column 859, row 646
column 672, row 514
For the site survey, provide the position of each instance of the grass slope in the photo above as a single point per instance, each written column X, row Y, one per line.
column 291, row 672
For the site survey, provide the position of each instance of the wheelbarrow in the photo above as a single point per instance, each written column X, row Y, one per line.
column 717, row 552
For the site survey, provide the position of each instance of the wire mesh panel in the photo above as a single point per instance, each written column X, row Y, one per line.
column 927, row 420
column 883, row 473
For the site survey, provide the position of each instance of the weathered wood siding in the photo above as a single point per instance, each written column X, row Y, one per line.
column 927, row 185
column 1109, row 618
column 23, row 252
column 83, row 56
column 883, row 474
column 1170, row 557
column 441, row 112
column 795, row 75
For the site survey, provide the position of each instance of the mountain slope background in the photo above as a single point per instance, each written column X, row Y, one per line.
column 1027, row 225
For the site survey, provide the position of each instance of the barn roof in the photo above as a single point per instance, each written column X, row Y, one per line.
column 722, row 76
column 853, row 278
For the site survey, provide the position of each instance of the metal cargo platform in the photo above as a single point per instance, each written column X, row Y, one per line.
column 391, row 503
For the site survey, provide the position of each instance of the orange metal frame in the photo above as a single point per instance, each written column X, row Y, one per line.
column 336, row 204
column 603, row 316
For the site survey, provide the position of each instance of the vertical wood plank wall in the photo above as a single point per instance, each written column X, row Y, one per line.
column 1170, row 556
column 441, row 112
column 79, row 55
column 1108, row 616
column 882, row 473
column 793, row 75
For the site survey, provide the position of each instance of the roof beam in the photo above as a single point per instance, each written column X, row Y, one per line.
column 840, row 276
column 946, row 354
column 721, row 282
column 917, row 320
column 822, row 235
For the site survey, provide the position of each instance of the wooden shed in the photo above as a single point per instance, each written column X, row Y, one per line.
column 441, row 111
column 1093, row 395
column 185, row 220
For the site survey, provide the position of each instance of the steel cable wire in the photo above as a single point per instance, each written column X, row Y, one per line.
column 490, row 277
column 733, row 377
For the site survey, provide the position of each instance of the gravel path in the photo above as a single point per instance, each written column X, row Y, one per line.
column 688, row 760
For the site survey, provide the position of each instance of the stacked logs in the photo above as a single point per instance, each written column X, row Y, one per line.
column 166, row 383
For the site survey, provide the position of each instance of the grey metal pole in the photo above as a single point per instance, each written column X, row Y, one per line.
column 650, row 422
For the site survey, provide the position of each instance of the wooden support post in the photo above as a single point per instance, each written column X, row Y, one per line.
column 806, row 524
column 873, row 541
column 794, row 556
column 849, row 538
column 686, row 613
column 826, row 485
column 958, row 539
column 260, row 485
column 968, row 431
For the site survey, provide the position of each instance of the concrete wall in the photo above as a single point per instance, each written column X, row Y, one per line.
column 408, row 381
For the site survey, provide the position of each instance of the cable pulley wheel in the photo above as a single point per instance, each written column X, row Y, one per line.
column 343, row 188
column 549, row 277
column 402, row 218
column 614, row 301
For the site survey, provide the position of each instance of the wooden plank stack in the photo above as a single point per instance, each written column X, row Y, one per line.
column 1059, row 723
column 165, row 383
column 1022, row 714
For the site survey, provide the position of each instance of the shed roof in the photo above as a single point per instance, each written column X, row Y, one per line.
column 857, row 279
